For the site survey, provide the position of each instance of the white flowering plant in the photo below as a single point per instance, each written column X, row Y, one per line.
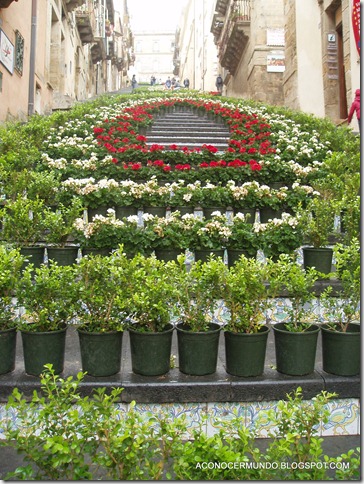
column 101, row 233
column 242, row 235
column 209, row 234
column 280, row 235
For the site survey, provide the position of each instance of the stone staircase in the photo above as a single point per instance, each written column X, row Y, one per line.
column 187, row 129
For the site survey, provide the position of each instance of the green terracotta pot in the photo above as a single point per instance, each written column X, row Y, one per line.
column 102, row 210
column 157, row 211
column 168, row 254
column 7, row 350
column 208, row 211
column 246, row 211
column 125, row 211
column 234, row 255
column 100, row 352
column 92, row 251
column 204, row 254
column 151, row 352
column 295, row 352
column 245, row 352
column 267, row 213
column 198, row 351
column 320, row 258
column 341, row 351
column 64, row 256
column 35, row 255
column 42, row 348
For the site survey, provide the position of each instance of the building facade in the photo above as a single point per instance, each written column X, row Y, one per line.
column 196, row 54
column 154, row 55
column 56, row 52
column 322, row 58
column 250, row 41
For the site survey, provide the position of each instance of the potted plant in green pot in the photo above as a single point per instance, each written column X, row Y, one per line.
column 341, row 335
column 24, row 225
column 271, row 202
column 199, row 290
column 181, row 198
column 151, row 297
column 243, row 198
column 296, row 338
column 247, row 295
column 214, row 198
column 101, row 287
column 48, row 297
column 100, row 236
column 154, row 198
column 279, row 236
column 127, row 199
column 242, row 238
column 60, row 226
column 318, row 221
column 11, row 263
column 208, row 236
column 172, row 236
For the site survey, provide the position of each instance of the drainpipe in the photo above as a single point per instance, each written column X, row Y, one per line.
column 31, row 92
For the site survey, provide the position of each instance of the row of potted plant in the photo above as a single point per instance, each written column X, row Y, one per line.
column 110, row 193
column 105, row 295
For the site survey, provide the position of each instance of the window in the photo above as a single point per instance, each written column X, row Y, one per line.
column 19, row 52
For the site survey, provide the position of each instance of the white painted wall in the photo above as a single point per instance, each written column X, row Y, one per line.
column 309, row 58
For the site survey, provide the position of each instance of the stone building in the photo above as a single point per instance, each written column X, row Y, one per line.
column 249, row 35
column 55, row 52
column 322, row 59
column 154, row 55
column 196, row 55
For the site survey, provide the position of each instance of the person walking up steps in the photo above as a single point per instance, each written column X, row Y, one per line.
column 219, row 83
column 355, row 107
column 133, row 83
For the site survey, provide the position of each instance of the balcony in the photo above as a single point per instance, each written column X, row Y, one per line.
column 72, row 4
column 98, row 51
column 85, row 21
column 221, row 6
column 6, row 3
column 235, row 35
column 217, row 25
column 233, row 44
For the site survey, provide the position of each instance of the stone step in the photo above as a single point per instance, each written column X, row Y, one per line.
column 187, row 129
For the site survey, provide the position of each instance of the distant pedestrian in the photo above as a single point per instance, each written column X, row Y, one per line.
column 186, row 83
column 168, row 84
column 219, row 83
column 355, row 107
column 133, row 83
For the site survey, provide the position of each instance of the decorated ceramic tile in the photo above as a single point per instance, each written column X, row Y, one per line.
column 278, row 312
column 257, row 418
column 218, row 414
column 344, row 418
column 194, row 413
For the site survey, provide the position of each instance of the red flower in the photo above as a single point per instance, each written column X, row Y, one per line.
column 98, row 130
column 141, row 138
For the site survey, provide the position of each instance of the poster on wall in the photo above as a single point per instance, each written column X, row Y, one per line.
column 6, row 52
column 276, row 61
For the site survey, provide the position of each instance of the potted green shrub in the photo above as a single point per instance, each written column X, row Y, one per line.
column 101, row 287
column 242, row 238
column 181, row 198
column 208, row 236
column 318, row 221
column 341, row 335
column 154, row 198
column 247, row 295
column 296, row 338
column 60, row 225
column 271, row 202
column 199, row 289
column 10, row 270
column 149, row 307
column 244, row 198
column 48, row 297
column 127, row 199
column 24, row 225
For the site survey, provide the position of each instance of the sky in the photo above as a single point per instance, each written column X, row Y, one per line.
column 155, row 14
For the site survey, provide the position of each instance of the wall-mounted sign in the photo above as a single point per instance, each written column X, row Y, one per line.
column 275, row 37
column 6, row 52
column 331, row 37
column 276, row 61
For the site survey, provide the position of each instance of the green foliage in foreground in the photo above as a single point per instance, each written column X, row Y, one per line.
column 64, row 436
